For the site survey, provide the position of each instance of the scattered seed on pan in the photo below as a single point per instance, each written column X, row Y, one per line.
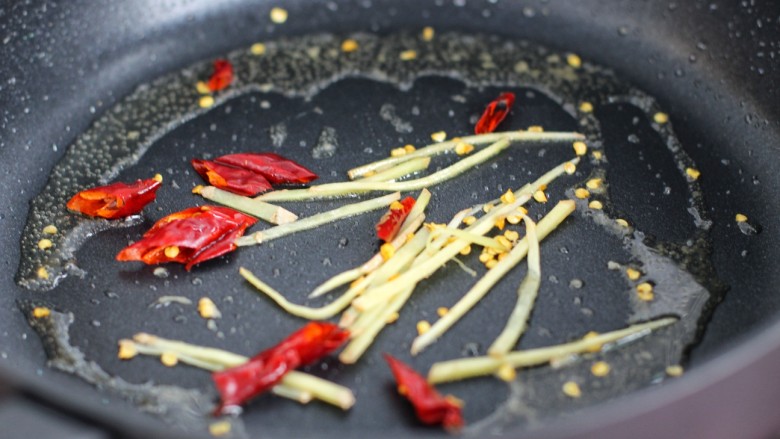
column 588, row 336
column 439, row 136
column 42, row 273
column 206, row 101
column 540, row 196
column 580, row 148
column 506, row 373
column 349, row 45
column 220, row 428
column 570, row 168
column 428, row 33
column 208, row 309
column 740, row 218
column 423, row 326
column 44, row 244
column 257, row 49
column 463, row 148
column 202, row 88
column 442, row 311
column 278, row 15
column 169, row 359
column 692, row 173
column 661, row 118
column 586, row 107
column 600, row 369
column 633, row 273
column 596, row 205
column 407, row 55
column 40, row 312
column 574, row 60
column 52, row 230
column 581, row 193
column 644, row 292
column 622, row 222
column 127, row 350
column 674, row 370
column 597, row 155
column 469, row 220
column 593, row 183
column 571, row 389
column 536, row 129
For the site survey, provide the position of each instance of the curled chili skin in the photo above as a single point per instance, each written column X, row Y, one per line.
column 429, row 405
column 222, row 76
column 236, row 180
column 239, row 384
column 117, row 200
column 275, row 168
column 494, row 113
column 197, row 234
column 390, row 223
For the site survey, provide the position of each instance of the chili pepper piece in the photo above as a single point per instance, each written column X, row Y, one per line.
column 116, row 200
column 189, row 237
column 275, row 168
column 429, row 405
column 390, row 223
column 310, row 343
column 230, row 178
column 494, row 113
column 222, row 76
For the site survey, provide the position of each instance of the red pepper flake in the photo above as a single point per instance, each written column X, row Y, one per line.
column 251, row 173
column 117, row 200
column 494, row 113
column 189, row 237
column 391, row 221
column 430, row 406
column 239, row 384
column 277, row 169
column 222, row 76
column 237, row 180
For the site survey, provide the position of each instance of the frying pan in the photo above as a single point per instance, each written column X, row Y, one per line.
column 711, row 66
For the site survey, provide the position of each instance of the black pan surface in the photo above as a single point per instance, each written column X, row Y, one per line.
column 720, row 108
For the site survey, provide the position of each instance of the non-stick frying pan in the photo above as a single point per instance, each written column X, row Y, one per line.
column 711, row 66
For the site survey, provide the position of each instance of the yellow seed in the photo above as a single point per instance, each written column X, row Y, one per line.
column 644, row 292
column 257, row 49
column 409, row 148
column 220, row 428
column 595, row 204
column 487, row 207
column 407, row 55
column 597, row 155
column 633, row 273
column 158, row 178
column 349, row 45
column 661, row 118
column 591, row 335
column 622, row 222
column 451, row 239
column 599, row 369
column 466, row 250
column 500, row 223
column 540, row 196
column 536, row 129
column 581, row 193
column 208, row 309
column 40, row 312
column 393, row 317
column 171, row 252
column 570, row 168
column 469, row 220
column 50, row 230
column 506, row 372
column 197, row 189
column 514, row 219
column 484, row 257
column 580, row 148
column 675, row 370
column 586, row 107
column 442, row 311
column 427, row 33
column 42, row 273
column 462, row 148
column 202, row 88
column 169, row 359
column 423, row 326
column 593, row 183
column 512, row 235
column 693, row 173
column 127, row 350
column 278, row 15
column 571, row 389
column 439, row 136
column 740, row 219
column 397, row 152
column 502, row 256
column 508, row 197
column 491, row 263
column 44, row 244
column 574, row 60
column 396, row 205
column 206, row 101
column 387, row 251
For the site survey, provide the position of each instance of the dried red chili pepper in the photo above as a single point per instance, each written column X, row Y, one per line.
column 304, row 346
column 189, row 237
column 391, row 221
column 117, row 200
column 237, row 180
column 429, row 405
column 494, row 113
column 222, row 76
column 277, row 169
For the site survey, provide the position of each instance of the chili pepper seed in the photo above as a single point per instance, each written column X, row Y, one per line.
column 278, row 15
column 600, row 369
column 740, row 218
column 40, row 312
column 52, row 230
column 572, row 389
column 661, row 118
